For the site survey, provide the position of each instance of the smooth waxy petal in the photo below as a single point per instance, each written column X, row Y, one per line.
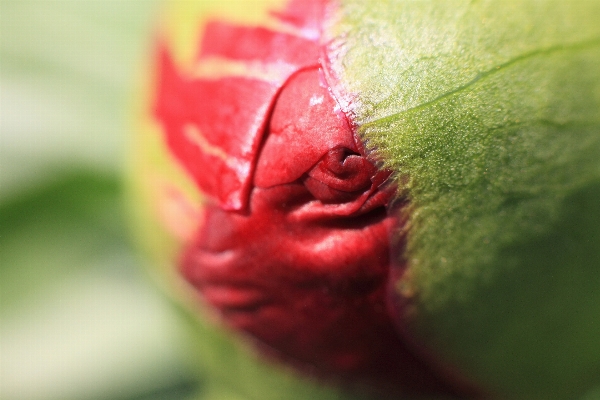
column 304, row 127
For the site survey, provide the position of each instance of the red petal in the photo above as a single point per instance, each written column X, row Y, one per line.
column 305, row 125
column 342, row 171
column 214, row 128
column 257, row 44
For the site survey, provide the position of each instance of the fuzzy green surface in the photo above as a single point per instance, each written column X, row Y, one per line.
column 490, row 113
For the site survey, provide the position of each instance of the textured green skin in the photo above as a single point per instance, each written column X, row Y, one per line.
column 490, row 113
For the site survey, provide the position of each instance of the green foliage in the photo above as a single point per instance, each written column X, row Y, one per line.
column 77, row 319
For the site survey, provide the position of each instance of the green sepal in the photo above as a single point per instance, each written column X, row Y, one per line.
column 489, row 112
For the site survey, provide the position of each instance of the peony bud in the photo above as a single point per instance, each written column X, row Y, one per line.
column 396, row 198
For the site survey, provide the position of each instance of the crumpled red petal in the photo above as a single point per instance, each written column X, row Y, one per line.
column 215, row 126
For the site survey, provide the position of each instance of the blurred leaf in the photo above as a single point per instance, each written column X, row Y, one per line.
column 78, row 319
column 67, row 70
column 52, row 231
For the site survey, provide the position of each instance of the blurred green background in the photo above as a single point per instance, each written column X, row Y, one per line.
column 78, row 318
